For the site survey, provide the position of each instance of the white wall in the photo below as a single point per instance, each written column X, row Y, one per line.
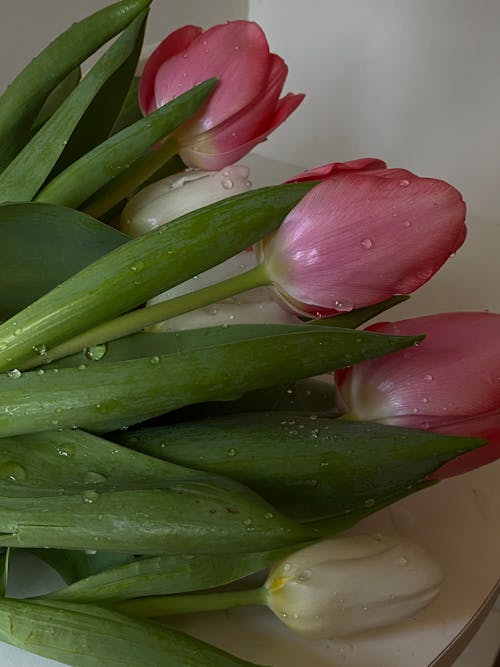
column 415, row 82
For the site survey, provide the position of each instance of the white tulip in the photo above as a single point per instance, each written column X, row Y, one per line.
column 346, row 585
column 179, row 194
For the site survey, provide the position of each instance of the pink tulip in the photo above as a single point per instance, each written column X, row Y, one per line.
column 362, row 235
column 245, row 107
column 449, row 383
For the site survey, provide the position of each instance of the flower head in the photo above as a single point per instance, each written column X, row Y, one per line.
column 449, row 383
column 346, row 585
column 245, row 107
column 182, row 193
column 362, row 235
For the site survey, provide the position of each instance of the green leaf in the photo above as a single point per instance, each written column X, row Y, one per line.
column 165, row 575
column 26, row 173
column 72, row 490
column 311, row 467
column 89, row 636
column 130, row 111
column 105, row 397
column 355, row 318
column 60, row 93
column 4, row 574
column 21, row 102
column 146, row 266
column 92, row 171
column 98, row 121
column 53, row 242
column 74, row 565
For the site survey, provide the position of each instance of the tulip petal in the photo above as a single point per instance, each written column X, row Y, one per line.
column 334, row 168
column 360, row 238
column 175, row 43
column 213, row 161
column 236, row 53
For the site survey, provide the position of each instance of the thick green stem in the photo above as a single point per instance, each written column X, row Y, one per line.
column 169, row 605
column 131, row 179
column 145, row 317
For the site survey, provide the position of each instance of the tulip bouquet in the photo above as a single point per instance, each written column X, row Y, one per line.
column 187, row 398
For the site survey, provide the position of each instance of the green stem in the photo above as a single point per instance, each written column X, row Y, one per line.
column 131, row 179
column 168, row 605
column 145, row 317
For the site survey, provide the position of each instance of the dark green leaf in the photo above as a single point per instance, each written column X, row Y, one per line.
column 98, row 121
column 92, row 171
column 71, row 490
column 21, row 102
column 43, row 245
column 130, row 111
column 354, row 318
column 74, row 565
column 26, row 173
column 56, row 98
column 311, row 467
column 165, row 575
column 104, row 397
column 128, row 276
column 88, row 636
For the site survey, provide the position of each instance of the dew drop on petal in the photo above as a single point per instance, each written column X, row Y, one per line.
column 367, row 243
column 428, row 377
column 227, row 184
column 404, row 182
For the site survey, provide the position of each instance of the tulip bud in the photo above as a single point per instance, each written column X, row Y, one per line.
column 346, row 585
column 245, row 106
column 449, row 383
column 361, row 236
column 182, row 193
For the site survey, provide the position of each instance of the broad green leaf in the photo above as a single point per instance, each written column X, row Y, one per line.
column 105, row 397
column 43, row 245
column 22, row 179
column 21, row 102
column 146, row 266
column 165, row 575
column 89, row 636
column 56, row 98
column 98, row 121
column 311, row 467
column 355, row 318
column 74, row 565
column 71, row 490
column 91, row 172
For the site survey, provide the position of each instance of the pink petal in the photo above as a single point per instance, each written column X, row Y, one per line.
column 453, row 374
column 251, row 121
column 175, row 43
column 214, row 161
column 362, row 237
column 236, row 53
column 334, row 168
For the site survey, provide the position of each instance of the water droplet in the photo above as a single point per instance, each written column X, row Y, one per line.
column 268, row 515
column 428, row 377
column 90, row 552
column 15, row 373
column 402, row 561
column 65, row 451
column 231, row 452
column 12, row 471
column 305, row 575
column 227, row 183
column 40, row 371
column 92, row 477
column 96, row 352
column 248, row 184
column 90, row 496
column 137, row 266
column 248, row 522
column 225, row 173
column 425, row 399
column 40, row 349
column 154, row 360
column 82, row 367
column 404, row 182
column 407, row 223
column 343, row 305
column 311, row 482
column 367, row 243
column 236, row 47
column 369, row 502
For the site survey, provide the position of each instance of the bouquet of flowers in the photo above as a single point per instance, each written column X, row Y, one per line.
column 187, row 396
